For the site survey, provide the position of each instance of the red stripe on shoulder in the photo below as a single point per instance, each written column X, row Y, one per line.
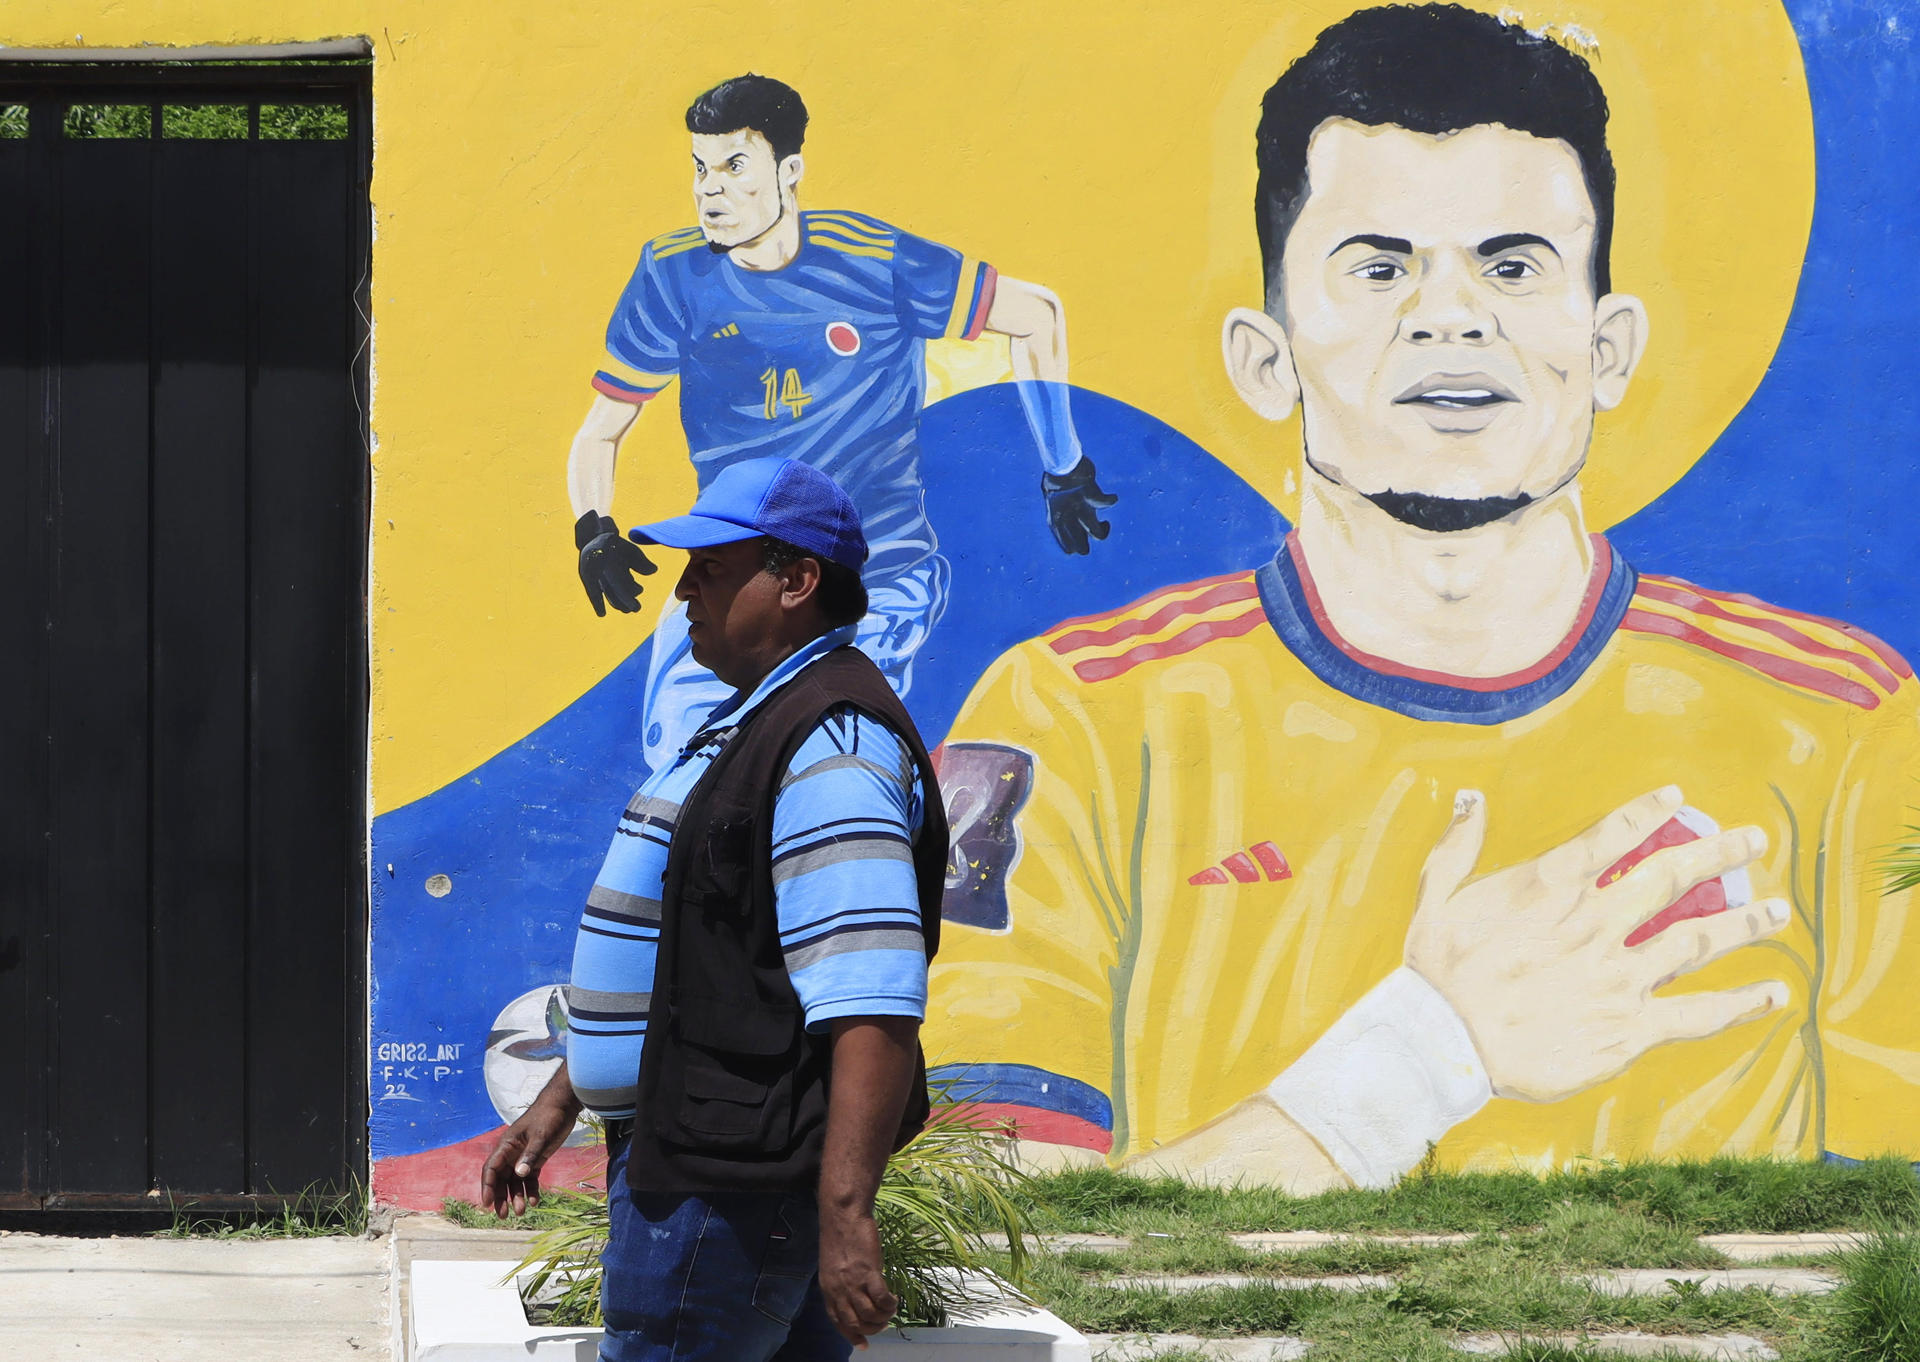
column 1226, row 593
column 1801, row 675
column 1878, row 647
column 1080, row 631
column 1198, row 636
column 1690, row 597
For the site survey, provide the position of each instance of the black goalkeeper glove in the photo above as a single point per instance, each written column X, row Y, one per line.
column 607, row 563
column 1072, row 498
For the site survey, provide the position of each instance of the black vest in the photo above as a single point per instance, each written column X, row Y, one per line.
column 733, row 1089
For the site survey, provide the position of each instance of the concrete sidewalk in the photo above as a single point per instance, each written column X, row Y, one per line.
column 194, row 1300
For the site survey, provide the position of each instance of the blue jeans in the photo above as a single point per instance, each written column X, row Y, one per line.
column 726, row 1275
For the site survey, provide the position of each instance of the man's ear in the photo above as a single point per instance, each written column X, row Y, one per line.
column 791, row 170
column 1260, row 363
column 801, row 582
column 1619, row 340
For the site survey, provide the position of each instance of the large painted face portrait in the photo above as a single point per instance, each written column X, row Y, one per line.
column 1437, row 299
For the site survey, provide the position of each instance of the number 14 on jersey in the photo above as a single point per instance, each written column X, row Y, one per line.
column 785, row 391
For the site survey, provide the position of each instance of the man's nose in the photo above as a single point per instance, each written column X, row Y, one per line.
column 683, row 589
column 1447, row 310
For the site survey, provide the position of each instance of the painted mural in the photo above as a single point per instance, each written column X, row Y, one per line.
column 802, row 334
column 1467, row 732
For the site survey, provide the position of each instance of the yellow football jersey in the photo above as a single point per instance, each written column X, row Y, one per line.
column 1189, row 835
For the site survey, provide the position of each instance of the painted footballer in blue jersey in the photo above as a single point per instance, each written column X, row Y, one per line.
column 803, row 335
column 822, row 360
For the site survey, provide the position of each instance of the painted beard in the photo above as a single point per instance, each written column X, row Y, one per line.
column 1446, row 515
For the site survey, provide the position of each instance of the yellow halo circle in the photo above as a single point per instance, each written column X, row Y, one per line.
column 1711, row 131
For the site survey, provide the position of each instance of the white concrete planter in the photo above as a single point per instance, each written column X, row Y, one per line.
column 463, row 1313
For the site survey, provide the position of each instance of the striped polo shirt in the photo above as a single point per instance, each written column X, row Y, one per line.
column 845, row 893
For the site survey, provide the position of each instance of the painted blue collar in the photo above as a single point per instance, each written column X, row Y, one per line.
column 737, row 706
column 1293, row 607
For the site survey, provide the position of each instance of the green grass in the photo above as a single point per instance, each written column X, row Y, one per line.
column 1517, row 1286
column 316, row 1211
column 1584, row 1234
column 1875, row 1316
column 555, row 1210
column 1714, row 1197
column 1491, row 1292
column 1576, row 1237
column 1516, row 1277
column 1207, row 1254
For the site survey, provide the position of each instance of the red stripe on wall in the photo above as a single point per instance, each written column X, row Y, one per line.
column 1106, row 668
column 420, row 1182
column 1034, row 1123
column 1783, row 669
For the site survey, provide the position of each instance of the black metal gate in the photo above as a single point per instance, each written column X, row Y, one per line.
column 183, row 494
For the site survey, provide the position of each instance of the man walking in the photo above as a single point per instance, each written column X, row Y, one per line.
column 762, row 923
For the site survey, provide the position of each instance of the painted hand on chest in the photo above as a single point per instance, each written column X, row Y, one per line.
column 1734, row 889
column 1554, row 964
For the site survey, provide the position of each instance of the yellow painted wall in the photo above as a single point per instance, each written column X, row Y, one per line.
column 524, row 152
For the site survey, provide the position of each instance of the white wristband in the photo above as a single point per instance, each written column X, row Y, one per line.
column 1395, row 1073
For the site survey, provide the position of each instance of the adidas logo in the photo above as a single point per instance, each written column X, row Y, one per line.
column 1247, row 867
column 730, row 329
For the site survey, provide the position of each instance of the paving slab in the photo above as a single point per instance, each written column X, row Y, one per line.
column 1653, row 1281
column 1262, row 1241
column 1141, row 1347
column 189, row 1300
column 1755, row 1248
column 1742, row 1248
column 1353, row 1282
column 1293, row 1241
column 1054, row 1243
column 1730, row 1347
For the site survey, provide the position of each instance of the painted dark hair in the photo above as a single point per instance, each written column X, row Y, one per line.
column 1429, row 69
column 762, row 104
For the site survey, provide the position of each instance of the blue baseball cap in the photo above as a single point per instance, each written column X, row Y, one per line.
column 779, row 498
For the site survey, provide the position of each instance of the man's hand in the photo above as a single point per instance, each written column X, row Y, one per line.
column 856, row 1294
column 1533, row 958
column 1072, row 499
column 607, row 564
column 510, row 1178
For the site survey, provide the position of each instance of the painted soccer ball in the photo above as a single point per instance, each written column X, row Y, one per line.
column 525, row 1046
